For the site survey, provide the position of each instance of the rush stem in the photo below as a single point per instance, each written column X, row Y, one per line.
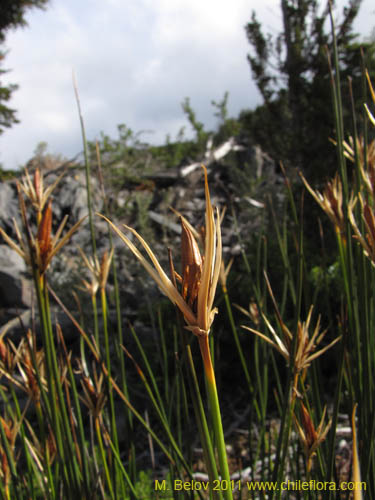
column 213, row 400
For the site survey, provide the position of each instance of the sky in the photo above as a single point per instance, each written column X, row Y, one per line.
column 134, row 61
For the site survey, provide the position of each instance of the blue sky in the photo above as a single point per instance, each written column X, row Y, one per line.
column 135, row 61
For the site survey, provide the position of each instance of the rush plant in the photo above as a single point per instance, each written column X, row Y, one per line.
column 73, row 426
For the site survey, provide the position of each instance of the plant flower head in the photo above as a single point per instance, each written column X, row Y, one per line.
column 38, row 250
column 94, row 396
column 99, row 270
column 365, row 152
column 367, row 240
column 36, row 192
column 200, row 273
column 306, row 345
column 310, row 436
column 330, row 201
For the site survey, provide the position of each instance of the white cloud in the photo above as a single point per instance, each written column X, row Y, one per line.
column 54, row 122
column 134, row 61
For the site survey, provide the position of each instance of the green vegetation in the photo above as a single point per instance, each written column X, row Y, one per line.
column 290, row 348
column 291, row 71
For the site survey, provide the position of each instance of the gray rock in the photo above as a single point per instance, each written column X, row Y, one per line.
column 15, row 288
column 72, row 198
column 8, row 204
column 241, row 176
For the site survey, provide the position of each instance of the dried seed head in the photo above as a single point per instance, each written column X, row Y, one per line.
column 367, row 240
column 90, row 389
column 254, row 312
column 366, row 159
column 105, row 265
column 11, row 429
column 308, row 426
column 192, row 262
column 200, row 275
column 8, row 356
column 38, row 251
column 224, row 271
column 35, row 192
column 330, row 201
column 31, row 380
column 310, row 436
column 38, row 186
column 90, row 287
column 94, row 397
column 306, row 349
column 99, row 271
column 44, row 244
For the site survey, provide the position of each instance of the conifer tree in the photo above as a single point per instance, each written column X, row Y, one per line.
column 292, row 74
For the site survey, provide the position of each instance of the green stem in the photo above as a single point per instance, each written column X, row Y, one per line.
column 104, row 460
column 208, row 450
column 213, row 400
column 115, row 386
column 66, row 438
column 240, row 350
column 108, row 365
column 87, row 169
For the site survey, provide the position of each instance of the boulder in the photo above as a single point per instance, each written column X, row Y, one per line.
column 15, row 288
column 8, row 204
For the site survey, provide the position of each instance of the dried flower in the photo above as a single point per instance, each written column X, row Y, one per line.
column 10, row 429
column 310, row 436
column 44, row 244
column 41, row 249
column 367, row 212
column 32, row 376
column 306, row 346
column 224, row 271
column 366, row 160
column 94, row 394
column 9, row 357
column 192, row 265
column 350, row 149
column 252, row 312
column 34, row 190
column 99, row 271
column 200, row 273
column 330, row 201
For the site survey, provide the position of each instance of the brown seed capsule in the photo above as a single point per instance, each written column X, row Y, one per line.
column 90, row 389
column 44, row 235
column 191, row 266
column 308, row 426
column 199, row 275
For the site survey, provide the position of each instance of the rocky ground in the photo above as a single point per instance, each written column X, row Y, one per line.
column 240, row 178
